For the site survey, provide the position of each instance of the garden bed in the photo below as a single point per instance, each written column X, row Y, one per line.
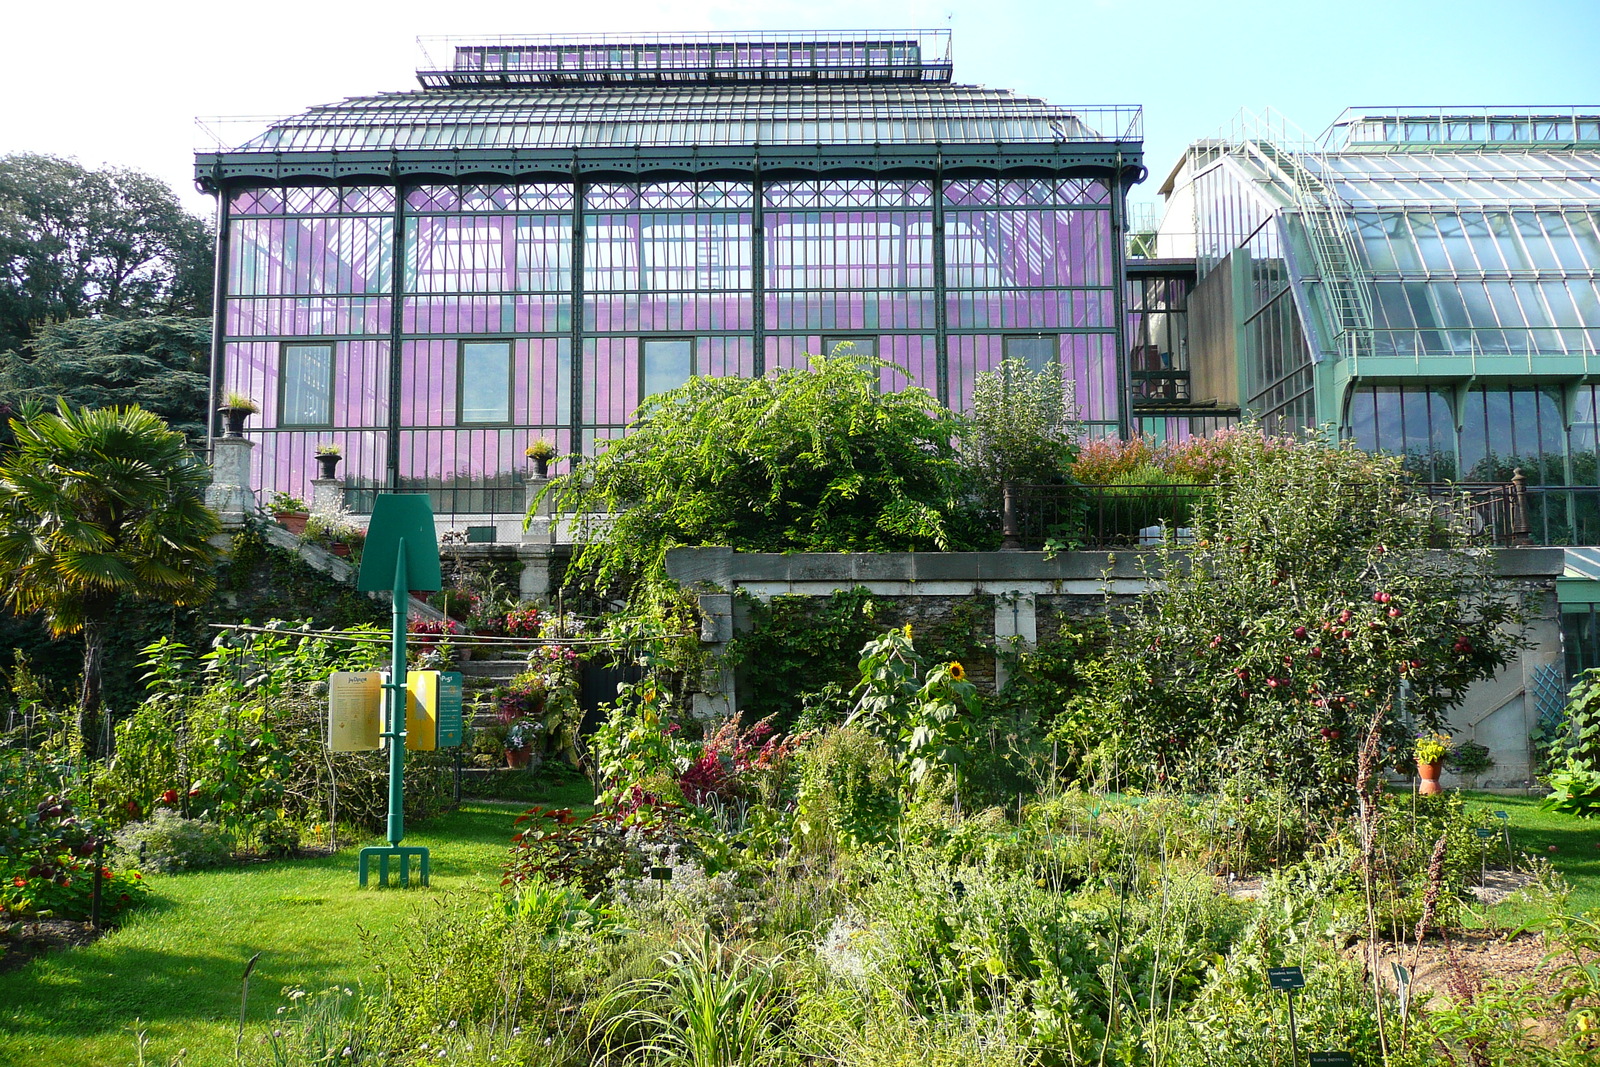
column 22, row 942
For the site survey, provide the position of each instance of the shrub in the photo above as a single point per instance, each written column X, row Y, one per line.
column 168, row 842
column 849, row 790
column 814, row 460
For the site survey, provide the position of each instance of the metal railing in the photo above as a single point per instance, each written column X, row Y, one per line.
column 1105, row 517
column 1099, row 517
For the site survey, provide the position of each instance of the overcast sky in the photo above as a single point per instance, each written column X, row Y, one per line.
column 121, row 83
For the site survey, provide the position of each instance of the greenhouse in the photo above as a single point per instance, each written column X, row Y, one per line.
column 549, row 231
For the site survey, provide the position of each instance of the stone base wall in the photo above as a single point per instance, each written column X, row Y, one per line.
column 1030, row 597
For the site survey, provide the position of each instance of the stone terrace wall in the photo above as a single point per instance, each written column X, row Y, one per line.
column 1029, row 595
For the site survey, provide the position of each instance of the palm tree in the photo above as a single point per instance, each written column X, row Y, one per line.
column 94, row 505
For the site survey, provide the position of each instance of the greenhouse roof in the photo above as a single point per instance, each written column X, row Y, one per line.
column 707, row 115
column 1530, row 177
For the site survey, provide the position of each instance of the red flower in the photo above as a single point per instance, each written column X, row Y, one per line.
column 20, row 882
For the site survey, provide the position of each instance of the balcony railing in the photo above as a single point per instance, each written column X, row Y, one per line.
column 1105, row 517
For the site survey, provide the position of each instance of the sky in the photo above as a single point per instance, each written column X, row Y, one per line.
column 122, row 83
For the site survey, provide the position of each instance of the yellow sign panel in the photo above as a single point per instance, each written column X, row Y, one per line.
column 422, row 710
column 355, row 711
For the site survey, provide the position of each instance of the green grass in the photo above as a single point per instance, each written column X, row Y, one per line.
column 1575, row 853
column 175, row 964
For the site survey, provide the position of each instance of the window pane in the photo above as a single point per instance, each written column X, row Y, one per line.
column 307, row 385
column 486, row 382
column 1037, row 352
column 667, row 365
column 863, row 346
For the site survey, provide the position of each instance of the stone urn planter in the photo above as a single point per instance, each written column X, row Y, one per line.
column 328, row 465
column 234, row 418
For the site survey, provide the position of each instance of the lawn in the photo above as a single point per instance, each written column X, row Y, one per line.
column 1571, row 845
column 174, row 966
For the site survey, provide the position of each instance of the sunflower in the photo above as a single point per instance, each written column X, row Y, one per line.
column 957, row 671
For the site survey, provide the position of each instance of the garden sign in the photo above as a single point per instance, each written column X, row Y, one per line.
column 401, row 555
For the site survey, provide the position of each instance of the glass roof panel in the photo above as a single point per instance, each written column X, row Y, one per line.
column 696, row 115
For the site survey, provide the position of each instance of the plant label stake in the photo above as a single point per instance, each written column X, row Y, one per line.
column 1402, row 985
column 1287, row 980
column 1330, row 1059
column 1505, row 830
column 402, row 555
column 1484, row 834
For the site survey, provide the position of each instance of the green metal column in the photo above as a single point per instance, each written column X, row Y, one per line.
column 758, row 271
column 401, row 598
column 1124, row 390
column 219, row 317
column 941, row 325
column 575, row 360
column 397, row 289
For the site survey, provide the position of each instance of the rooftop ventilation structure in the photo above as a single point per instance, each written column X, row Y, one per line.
column 1401, row 129
column 882, row 56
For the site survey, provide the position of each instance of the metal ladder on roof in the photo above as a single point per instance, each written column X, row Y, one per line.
column 1284, row 151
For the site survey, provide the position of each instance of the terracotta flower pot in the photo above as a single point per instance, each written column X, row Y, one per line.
column 339, row 548
column 517, row 758
column 1429, row 774
column 293, row 521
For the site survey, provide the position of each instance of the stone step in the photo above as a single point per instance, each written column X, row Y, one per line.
column 492, row 668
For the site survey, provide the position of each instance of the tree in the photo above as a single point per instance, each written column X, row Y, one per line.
column 1023, row 427
column 1321, row 594
column 95, row 504
column 813, row 460
column 158, row 363
column 76, row 242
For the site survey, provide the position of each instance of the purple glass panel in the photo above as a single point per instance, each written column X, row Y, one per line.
column 307, row 316
column 667, row 196
column 309, row 257
column 727, row 357
column 989, row 192
column 667, row 252
column 373, row 199
column 284, row 461
column 1090, row 362
column 610, row 380
column 667, row 312
column 463, row 315
column 914, row 356
column 433, row 198
column 360, row 380
column 465, row 460
column 311, row 199
column 848, row 193
column 1027, row 248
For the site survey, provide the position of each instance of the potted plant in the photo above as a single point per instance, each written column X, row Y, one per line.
column 328, row 456
column 290, row 511
column 236, row 408
column 1469, row 759
column 540, row 453
column 1430, row 750
column 520, row 735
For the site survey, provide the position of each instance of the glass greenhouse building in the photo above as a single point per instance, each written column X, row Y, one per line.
column 549, row 230
column 1422, row 278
